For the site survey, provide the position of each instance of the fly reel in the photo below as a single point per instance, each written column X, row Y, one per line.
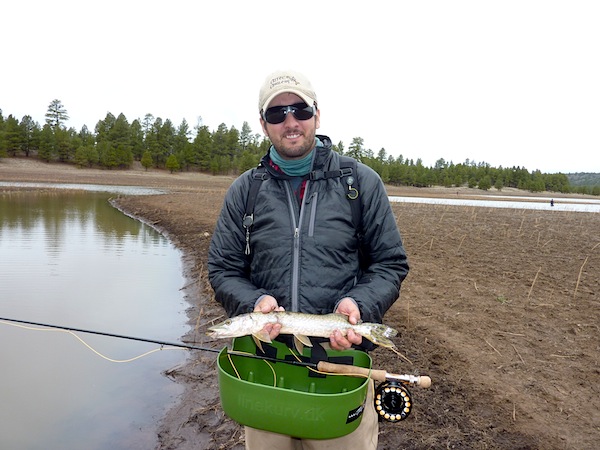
column 392, row 401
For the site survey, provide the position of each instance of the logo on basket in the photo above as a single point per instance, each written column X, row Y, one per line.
column 312, row 414
column 355, row 414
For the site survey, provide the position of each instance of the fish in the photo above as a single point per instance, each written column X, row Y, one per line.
column 301, row 326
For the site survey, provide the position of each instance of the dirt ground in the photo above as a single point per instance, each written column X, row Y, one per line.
column 500, row 309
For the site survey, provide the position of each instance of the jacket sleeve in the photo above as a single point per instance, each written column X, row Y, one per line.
column 386, row 264
column 228, row 266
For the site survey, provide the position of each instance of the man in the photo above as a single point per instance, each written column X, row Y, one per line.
column 302, row 251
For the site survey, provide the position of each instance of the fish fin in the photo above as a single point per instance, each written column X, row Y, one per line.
column 304, row 339
column 260, row 337
column 258, row 343
column 263, row 336
column 298, row 345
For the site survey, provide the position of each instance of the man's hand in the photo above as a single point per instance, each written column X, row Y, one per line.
column 266, row 305
column 338, row 341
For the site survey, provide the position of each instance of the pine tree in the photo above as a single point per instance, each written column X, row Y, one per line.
column 146, row 160
column 56, row 115
column 172, row 163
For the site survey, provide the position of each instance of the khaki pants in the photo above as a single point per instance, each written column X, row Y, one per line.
column 363, row 438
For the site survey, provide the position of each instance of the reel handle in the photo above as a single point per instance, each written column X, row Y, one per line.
column 424, row 381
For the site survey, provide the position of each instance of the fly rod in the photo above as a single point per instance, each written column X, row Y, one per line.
column 321, row 366
column 118, row 336
column 345, row 369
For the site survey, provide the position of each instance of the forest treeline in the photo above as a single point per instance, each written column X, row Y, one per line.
column 115, row 143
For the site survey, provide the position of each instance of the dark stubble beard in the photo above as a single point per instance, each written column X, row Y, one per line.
column 308, row 143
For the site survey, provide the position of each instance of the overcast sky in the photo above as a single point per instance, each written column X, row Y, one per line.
column 510, row 83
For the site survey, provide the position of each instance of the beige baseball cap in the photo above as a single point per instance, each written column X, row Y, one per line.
column 285, row 81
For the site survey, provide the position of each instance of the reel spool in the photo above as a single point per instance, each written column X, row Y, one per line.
column 392, row 401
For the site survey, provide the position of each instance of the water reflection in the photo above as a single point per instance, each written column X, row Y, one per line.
column 58, row 210
column 71, row 259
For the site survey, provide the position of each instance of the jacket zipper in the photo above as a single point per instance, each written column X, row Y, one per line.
column 312, row 200
column 296, row 225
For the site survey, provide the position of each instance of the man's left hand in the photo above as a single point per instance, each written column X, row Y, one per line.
column 337, row 340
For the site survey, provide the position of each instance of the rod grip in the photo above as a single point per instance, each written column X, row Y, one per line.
column 422, row 381
column 377, row 375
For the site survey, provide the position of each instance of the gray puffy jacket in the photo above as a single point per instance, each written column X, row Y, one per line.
column 306, row 255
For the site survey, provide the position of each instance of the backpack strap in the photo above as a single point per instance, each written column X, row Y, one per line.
column 258, row 176
column 351, row 179
column 353, row 195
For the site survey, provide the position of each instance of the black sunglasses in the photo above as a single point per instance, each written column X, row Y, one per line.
column 277, row 114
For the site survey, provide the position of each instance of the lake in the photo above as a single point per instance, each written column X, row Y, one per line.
column 68, row 258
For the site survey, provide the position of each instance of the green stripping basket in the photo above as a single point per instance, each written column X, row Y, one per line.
column 283, row 398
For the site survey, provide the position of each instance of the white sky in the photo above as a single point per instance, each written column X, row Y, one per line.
column 510, row 83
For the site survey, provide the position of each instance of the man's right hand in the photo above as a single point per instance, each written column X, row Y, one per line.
column 266, row 305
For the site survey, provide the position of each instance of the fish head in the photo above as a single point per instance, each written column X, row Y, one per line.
column 232, row 327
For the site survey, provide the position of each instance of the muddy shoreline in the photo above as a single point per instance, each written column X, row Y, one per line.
column 501, row 309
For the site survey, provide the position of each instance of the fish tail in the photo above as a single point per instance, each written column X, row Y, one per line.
column 381, row 335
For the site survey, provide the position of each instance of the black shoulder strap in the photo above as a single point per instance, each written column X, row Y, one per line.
column 353, row 190
column 258, row 176
column 353, row 195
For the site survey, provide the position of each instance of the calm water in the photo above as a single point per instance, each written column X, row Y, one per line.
column 538, row 203
column 71, row 259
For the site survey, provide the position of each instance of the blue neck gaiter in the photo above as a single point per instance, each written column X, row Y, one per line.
column 292, row 167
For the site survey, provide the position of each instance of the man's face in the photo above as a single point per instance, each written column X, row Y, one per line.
column 292, row 138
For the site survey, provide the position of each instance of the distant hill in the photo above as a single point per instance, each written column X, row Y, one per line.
column 584, row 179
